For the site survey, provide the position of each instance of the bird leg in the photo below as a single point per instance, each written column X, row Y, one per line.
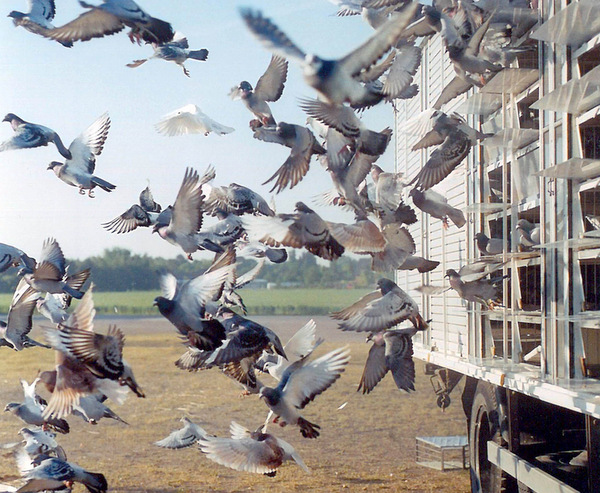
column 445, row 222
column 189, row 257
column 91, row 194
column 254, row 124
column 186, row 72
column 244, row 393
column 81, row 191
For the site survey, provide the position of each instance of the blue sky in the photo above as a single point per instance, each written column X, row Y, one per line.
column 67, row 89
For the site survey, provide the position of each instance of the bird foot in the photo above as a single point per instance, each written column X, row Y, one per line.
column 243, row 394
column 189, row 257
column 81, row 191
column 186, row 71
column 254, row 124
column 445, row 223
column 91, row 194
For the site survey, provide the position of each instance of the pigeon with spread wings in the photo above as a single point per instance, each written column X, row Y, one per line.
column 29, row 135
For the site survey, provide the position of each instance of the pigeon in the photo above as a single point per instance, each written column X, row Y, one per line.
column 388, row 189
column 31, row 410
column 14, row 332
column 183, row 304
column 345, row 121
column 442, row 125
column 334, row 80
column 381, row 309
column 529, row 233
column 257, row 250
column 397, row 84
column 176, row 51
column 78, row 170
column 303, row 145
column 488, row 246
column 54, row 307
column 52, row 473
column 391, row 351
column 184, row 437
column 236, row 199
column 186, row 217
column 301, row 382
column 146, row 214
column 13, row 257
column 50, row 273
column 399, row 246
column 257, row 452
column 268, row 89
column 303, row 229
column 110, row 17
column 436, row 205
column 484, row 291
column 190, row 120
column 41, row 442
column 421, row 264
column 479, row 269
column 225, row 232
column 39, row 18
column 92, row 409
column 29, row 135
column 362, row 237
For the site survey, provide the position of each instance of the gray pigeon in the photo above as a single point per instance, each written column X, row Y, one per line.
column 184, row 437
column 29, row 135
column 268, row 89
column 41, row 442
column 54, row 307
column 111, row 17
column 391, row 351
column 257, row 452
column 488, row 246
column 482, row 291
column 225, row 232
column 78, row 171
column 303, row 145
column 381, row 309
column 176, row 51
column 13, row 257
column 236, row 199
column 92, row 409
column 301, row 382
column 38, row 19
column 147, row 213
column 303, row 229
column 333, row 79
column 529, row 233
column 437, row 206
column 14, row 332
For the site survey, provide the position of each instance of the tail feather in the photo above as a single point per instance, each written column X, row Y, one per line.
column 103, row 184
column 457, row 217
column 419, row 322
column 95, row 482
column 308, row 429
column 137, row 63
column 198, row 54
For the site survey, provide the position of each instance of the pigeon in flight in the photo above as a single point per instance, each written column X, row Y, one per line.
column 29, row 135
column 303, row 145
column 92, row 409
column 176, row 51
column 484, row 291
column 391, row 351
column 110, row 17
column 301, row 382
column 381, row 309
column 303, row 229
column 78, row 171
column 13, row 332
column 257, row 452
column 184, row 437
column 437, row 206
column 268, row 89
column 189, row 120
column 11, row 256
column 147, row 213
column 236, row 199
column 50, row 273
column 335, row 80
column 38, row 19
column 41, row 442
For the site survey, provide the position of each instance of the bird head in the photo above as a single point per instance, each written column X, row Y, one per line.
column 128, row 379
column 269, row 394
column 53, row 165
column 245, row 87
column 451, row 273
column 302, row 207
column 385, row 285
column 10, row 117
column 11, row 407
column 16, row 16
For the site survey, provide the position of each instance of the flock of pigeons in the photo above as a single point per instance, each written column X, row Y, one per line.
column 481, row 39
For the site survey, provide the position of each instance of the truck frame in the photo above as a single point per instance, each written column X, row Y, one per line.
column 531, row 367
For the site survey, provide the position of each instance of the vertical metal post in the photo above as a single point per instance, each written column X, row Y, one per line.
column 592, row 433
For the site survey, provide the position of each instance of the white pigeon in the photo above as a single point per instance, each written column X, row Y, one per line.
column 189, row 119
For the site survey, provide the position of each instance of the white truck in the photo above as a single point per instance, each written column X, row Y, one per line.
column 531, row 367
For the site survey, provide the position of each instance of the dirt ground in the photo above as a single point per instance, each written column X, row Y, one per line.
column 368, row 445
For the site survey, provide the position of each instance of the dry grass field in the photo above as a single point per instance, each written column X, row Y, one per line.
column 366, row 446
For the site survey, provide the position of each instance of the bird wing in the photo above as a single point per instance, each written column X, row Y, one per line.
column 89, row 144
column 357, row 307
column 187, row 211
column 362, row 236
column 272, row 230
column 303, row 342
column 300, row 384
column 189, row 120
column 128, row 221
column 197, row 292
column 373, row 73
column 375, row 369
column 384, row 38
column 454, row 88
column 147, row 201
column 270, row 85
column 268, row 133
column 184, row 437
column 42, row 8
column 20, row 313
column 403, row 69
column 250, row 275
column 52, row 263
column 94, row 23
column 25, row 137
column 271, row 36
column 168, row 285
column 431, row 138
column 338, row 116
column 243, row 454
column 398, row 357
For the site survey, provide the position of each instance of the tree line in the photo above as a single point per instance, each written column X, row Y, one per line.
column 118, row 269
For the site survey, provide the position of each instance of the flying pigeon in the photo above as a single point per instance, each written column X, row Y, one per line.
column 41, row 442
column 436, row 205
column 301, row 382
column 146, row 214
column 303, row 229
column 110, row 17
column 50, row 273
column 189, row 120
column 92, row 409
column 333, row 79
column 391, row 351
column 268, row 89
column 13, row 257
column 236, row 199
column 78, row 170
column 257, row 452
column 176, row 51
column 38, row 19
column 14, row 332
column 303, row 145
column 381, row 309
column 484, row 291
column 54, row 307
column 184, row 437
column 29, row 135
